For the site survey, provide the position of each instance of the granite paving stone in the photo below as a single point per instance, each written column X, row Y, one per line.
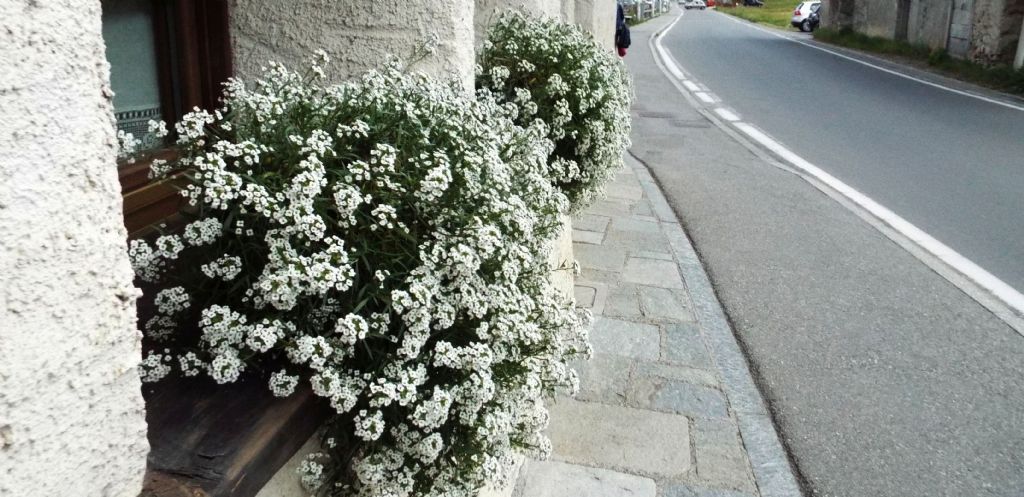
column 652, row 272
column 663, row 304
column 599, row 257
column 682, row 343
column 623, row 301
column 664, row 394
column 643, row 208
column 621, row 438
column 585, row 296
column 721, row 458
column 591, row 237
column 604, row 378
column 635, row 225
column 696, row 376
column 684, row 490
column 559, row 479
column 591, row 222
column 651, row 254
column 666, row 406
column 625, row 338
column 655, row 242
column 625, row 190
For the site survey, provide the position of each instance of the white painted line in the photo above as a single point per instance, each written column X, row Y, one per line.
column 690, row 85
column 672, row 67
column 704, row 97
column 957, row 263
column 726, row 114
column 875, row 66
column 965, row 266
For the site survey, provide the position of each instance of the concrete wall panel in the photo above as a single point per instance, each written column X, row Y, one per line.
column 72, row 418
column 876, row 17
column 356, row 33
column 929, row 23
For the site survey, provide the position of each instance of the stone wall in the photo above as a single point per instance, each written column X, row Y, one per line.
column 356, row 33
column 928, row 23
column 995, row 30
column 986, row 31
column 875, row 17
column 72, row 418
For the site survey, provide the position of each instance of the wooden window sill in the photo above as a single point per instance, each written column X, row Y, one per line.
column 209, row 440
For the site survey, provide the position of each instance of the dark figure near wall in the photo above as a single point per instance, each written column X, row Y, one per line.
column 622, row 40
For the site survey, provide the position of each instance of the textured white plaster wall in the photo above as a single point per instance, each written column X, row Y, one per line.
column 568, row 8
column 597, row 17
column 72, row 418
column 487, row 11
column 356, row 33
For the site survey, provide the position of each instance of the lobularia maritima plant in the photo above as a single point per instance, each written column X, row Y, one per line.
column 384, row 241
column 554, row 72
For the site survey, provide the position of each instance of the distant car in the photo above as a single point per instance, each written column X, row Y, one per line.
column 694, row 4
column 801, row 14
column 753, row 3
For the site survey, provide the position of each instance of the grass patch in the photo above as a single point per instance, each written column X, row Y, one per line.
column 775, row 13
column 1003, row 78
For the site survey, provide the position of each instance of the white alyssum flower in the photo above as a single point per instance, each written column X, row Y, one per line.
column 385, row 240
column 225, row 268
column 557, row 73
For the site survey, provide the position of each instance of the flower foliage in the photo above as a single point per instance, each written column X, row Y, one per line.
column 383, row 241
column 556, row 73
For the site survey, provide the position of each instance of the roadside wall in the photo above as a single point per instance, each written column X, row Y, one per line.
column 875, row 17
column 928, row 23
column 71, row 408
column 995, row 30
column 356, row 34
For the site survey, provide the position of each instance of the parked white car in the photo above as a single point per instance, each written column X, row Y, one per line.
column 801, row 13
column 694, row 4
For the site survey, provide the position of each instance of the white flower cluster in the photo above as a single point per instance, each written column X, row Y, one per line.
column 385, row 244
column 557, row 73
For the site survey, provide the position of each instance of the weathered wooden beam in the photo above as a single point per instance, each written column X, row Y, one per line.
column 211, row 440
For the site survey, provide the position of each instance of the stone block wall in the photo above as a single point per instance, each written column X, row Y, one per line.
column 357, row 34
column 72, row 418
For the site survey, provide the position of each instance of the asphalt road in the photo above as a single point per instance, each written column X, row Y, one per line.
column 950, row 164
column 884, row 379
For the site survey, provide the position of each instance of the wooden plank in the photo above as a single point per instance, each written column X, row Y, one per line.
column 211, row 440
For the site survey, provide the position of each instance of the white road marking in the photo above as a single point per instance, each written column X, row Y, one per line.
column 690, row 85
column 726, row 114
column 958, row 263
column 704, row 97
column 875, row 66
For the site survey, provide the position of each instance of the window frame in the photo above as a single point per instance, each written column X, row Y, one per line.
column 194, row 57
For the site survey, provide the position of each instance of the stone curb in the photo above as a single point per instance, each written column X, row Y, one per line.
column 772, row 472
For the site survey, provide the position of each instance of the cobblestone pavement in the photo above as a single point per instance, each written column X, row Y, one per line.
column 666, row 406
